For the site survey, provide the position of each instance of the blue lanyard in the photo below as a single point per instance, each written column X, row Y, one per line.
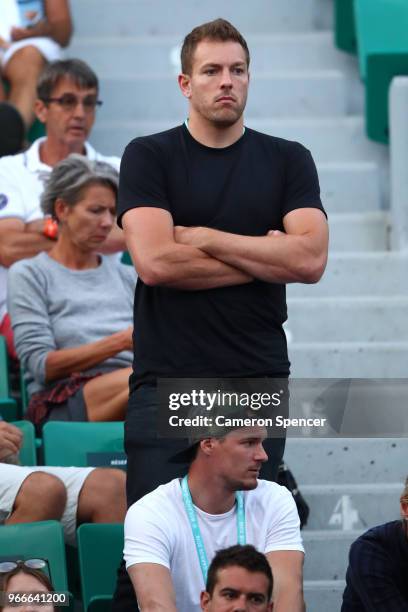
column 192, row 517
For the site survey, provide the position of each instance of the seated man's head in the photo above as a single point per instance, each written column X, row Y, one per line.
column 81, row 195
column 236, row 458
column 239, row 580
column 67, row 97
column 22, row 578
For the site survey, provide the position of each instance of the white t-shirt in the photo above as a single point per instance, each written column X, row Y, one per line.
column 22, row 179
column 157, row 530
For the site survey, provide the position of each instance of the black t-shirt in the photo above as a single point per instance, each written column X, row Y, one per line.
column 246, row 188
column 378, row 570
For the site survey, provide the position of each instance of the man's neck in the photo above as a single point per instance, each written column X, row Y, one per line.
column 51, row 151
column 209, row 493
column 211, row 135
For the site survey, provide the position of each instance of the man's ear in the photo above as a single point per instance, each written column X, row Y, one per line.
column 404, row 510
column 41, row 110
column 184, row 82
column 207, row 445
column 204, row 600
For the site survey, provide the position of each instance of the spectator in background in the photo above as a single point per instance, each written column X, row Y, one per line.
column 377, row 575
column 11, row 130
column 37, row 38
column 239, row 578
column 70, row 494
column 24, row 577
column 71, row 308
column 67, row 98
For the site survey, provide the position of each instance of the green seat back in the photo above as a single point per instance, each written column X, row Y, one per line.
column 382, row 35
column 344, row 26
column 83, row 444
column 28, row 450
column 100, row 549
column 8, row 406
column 126, row 259
column 37, row 130
column 43, row 540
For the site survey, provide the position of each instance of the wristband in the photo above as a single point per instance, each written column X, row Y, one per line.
column 50, row 228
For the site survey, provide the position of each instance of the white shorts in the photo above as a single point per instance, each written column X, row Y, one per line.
column 13, row 476
column 48, row 48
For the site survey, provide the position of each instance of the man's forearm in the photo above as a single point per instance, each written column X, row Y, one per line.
column 277, row 258
column 21, row 245
column 178, row 266
column 289, row 600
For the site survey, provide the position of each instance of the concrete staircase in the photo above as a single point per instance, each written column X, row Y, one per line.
column 352, row 323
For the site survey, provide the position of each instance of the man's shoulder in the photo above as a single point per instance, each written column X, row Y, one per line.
column 163, row 497
column 12, row 163
column 277, row 144
column 158, row 142
column 269, row 494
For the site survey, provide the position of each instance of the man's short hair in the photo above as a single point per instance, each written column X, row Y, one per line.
column 218, row 30
column 246, row 557
column 74, row 69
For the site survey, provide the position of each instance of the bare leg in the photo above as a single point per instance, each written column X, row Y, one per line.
column 41, row 497
column 102, row 498
column 22, row 71
column 106, row 396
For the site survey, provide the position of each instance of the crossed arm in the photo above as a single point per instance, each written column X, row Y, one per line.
column 204, row 258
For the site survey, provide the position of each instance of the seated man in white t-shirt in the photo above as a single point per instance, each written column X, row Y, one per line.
column 67, row 98
column 222, row 503
column 239, row 578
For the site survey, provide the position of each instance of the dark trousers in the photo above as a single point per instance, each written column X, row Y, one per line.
column 148, row 467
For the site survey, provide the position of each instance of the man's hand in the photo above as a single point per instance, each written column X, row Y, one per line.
column 11, row 439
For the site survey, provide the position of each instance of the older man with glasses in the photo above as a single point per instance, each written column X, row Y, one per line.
column 67, row 98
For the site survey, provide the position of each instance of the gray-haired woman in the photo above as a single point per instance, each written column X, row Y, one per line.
column 71, row 308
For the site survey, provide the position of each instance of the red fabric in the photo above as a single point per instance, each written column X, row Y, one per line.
column 42, row 403
column 7, row 332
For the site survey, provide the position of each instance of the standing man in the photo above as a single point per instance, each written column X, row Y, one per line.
column 217, row 217
column 67, row 99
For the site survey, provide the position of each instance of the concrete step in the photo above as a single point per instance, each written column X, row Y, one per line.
column 138, row 17
column 357, row 461
column 359, row 231
column 346, row 507
column 343, row 319
column 359, row 274
column 349, row 359
column 323, row 595
column 155, row 97
column 330, row 140
column 147, row 55
column 326, row 553
column 349, row 187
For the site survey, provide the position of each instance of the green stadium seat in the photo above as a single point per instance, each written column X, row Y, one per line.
column 43, row 540
column 84, row 444
column 344, row 26
column 100, row 548
column 28, row 450
column 8, row 406
column 381, row 27
column 126, row 259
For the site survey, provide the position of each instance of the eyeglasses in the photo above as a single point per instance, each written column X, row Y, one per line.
column 9, row 566
column 68, row 102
